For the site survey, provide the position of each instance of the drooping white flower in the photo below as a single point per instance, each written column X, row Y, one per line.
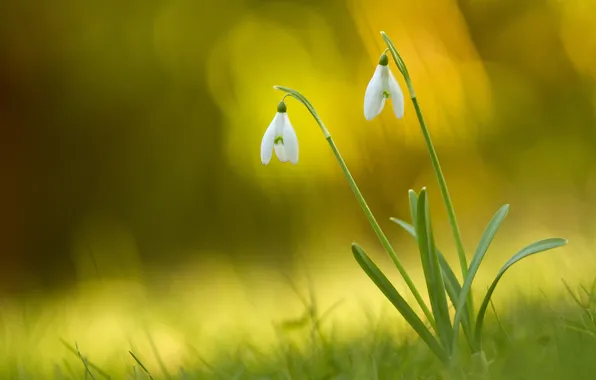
column 281, row 137
column 383, row 86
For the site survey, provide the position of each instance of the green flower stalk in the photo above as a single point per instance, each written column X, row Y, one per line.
column 435, row 163
column 359, row 197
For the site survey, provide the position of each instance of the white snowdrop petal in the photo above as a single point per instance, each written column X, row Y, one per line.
column 397, row 96
column 290, row 141
column 374, row 100
column 268, row 140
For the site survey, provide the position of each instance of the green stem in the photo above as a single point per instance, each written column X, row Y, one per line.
column 437, row 168
column 373, row 222
column 443, row 186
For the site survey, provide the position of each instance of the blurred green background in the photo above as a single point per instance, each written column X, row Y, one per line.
column 130, row 134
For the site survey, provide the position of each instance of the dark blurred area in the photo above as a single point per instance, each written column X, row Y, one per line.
column 130, row 130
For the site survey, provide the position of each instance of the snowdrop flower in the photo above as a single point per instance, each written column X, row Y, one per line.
column 383, row 86
column 281, row 137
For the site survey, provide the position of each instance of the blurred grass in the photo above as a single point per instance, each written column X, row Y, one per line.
column 232, row 320
column 527, row 338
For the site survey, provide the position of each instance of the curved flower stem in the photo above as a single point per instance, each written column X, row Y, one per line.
column 362, row 202
column 436, row 166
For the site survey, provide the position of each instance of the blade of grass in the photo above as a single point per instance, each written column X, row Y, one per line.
column 451, row 282
column 485, row 240
column 581, row 330
column 432, row 272
column 492, row 305
column 375, row 274
column 592, row 292
column 572, row 294
column 87, row 370
column 89, row 363
column 58, row 375
column 536, row 247
column 162, row 366
column 586, row 291
column 141, row 364
column 71, row 372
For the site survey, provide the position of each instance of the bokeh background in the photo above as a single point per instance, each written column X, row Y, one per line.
column 132, row 188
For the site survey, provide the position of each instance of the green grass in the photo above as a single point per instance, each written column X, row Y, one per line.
column 535, row 339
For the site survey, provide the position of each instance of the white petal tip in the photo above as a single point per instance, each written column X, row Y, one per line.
column 398, row 110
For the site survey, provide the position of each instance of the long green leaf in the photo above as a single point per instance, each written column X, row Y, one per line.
column 453, row 291
column 405, row 225
column 413, row 206
column 375, row 274
column 485, row 240
column 432, row 271
column 536, row 247
column 451, row 282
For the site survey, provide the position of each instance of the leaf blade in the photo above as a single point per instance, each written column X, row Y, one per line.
column 413, row 197
column 385, row 286
column 481, row 249
column 432, row 271
column 452, row 284
column 529, row 250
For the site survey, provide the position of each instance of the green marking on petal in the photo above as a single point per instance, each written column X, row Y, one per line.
column 386, row 94
column 278, row 139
